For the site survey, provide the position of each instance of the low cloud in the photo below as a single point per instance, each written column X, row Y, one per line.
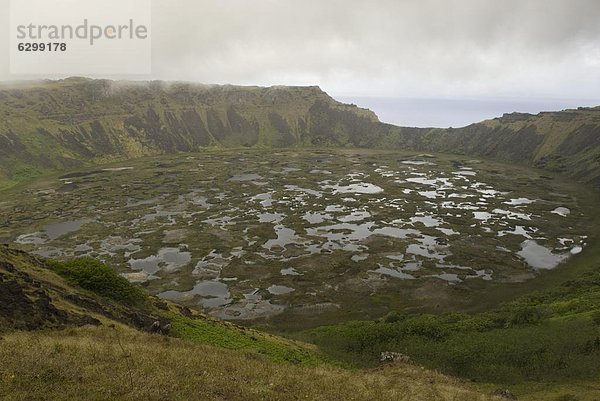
column 402, row 48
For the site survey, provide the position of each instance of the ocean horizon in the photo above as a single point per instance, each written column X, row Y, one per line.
column 448, row 112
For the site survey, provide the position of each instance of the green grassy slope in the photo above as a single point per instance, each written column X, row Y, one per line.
column 543, row 345
column 86, row 334
column 54, row 295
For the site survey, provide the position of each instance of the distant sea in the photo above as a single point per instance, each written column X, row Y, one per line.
column 445, row 113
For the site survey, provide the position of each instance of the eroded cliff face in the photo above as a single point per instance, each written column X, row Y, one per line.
column 62, row 124
column 54, row 125
column 567, row 141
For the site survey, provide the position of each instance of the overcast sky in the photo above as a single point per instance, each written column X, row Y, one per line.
column 546, row 50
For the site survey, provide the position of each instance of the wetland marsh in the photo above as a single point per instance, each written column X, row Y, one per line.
column 253, row 234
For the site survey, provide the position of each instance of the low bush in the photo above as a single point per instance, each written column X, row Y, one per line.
column 95, row 276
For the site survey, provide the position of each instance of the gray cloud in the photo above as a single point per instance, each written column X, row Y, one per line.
column 413, row 48
column 393, row 48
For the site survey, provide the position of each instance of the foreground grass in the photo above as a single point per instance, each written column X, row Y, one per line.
column 102, row 363
column 224, row 335
column 206, row 360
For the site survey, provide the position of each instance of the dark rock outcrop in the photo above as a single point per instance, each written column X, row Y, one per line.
column 30, row 301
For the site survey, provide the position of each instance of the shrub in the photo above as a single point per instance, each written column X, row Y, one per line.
column 529, row 315
column 428, row 326
column 95, row 276
column 392, row 317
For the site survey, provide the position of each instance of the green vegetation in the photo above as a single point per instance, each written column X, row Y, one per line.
column 213, row 332
column 93, row 275
column 550, row 336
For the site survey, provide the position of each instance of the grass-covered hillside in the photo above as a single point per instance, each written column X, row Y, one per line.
column 76, row 330
column 100, row 363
